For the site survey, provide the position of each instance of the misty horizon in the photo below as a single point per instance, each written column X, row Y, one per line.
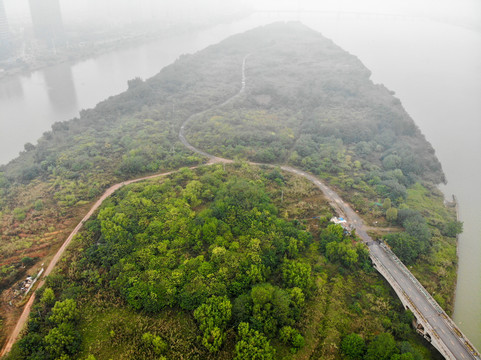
column 64, row 70
column 101, row 12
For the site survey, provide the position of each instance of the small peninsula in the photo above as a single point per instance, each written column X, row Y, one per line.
column 232, row 260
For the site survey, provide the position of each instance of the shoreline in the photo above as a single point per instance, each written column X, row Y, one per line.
column 96, row 50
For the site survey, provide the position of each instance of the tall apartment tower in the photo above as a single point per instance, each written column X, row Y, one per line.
column 47, row 21
column 4, row 33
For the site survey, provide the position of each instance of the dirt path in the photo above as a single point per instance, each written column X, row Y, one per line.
column 26, row 310
column 341, row 207
column 382, row 229
column 333, row 198
column 454, row 345
column 12, row 338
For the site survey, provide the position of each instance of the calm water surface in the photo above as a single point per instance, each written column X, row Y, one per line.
column 434, row 68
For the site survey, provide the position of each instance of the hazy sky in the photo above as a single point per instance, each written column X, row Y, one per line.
column 101, row 11
column 76, row 11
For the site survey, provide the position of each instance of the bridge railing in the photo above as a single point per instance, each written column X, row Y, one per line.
column 416, row 282
column 464, row 340
column 439, row 344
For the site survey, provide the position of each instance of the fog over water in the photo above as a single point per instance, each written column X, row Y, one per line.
column 111, row 13
column 429, row 53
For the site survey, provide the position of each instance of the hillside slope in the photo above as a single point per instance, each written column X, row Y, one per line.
column 307, row 103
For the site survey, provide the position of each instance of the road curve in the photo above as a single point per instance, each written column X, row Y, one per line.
column 26, row 310
column 12, row 338
column 453, row 344
column 457, row 345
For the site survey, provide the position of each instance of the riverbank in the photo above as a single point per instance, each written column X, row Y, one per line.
column 85, row 50
column 450, row 90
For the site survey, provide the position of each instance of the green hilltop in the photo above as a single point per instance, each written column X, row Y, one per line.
column 236, row 260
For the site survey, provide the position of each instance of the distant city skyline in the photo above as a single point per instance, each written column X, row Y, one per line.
column 97, row 12
column 3, row 24
column 4, row 32
column 47, row 21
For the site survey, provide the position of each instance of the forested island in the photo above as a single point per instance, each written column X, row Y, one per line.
column 229, row 261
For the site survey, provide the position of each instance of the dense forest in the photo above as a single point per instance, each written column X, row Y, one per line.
column 214, row 263
column 220, row 263
column 311, row 105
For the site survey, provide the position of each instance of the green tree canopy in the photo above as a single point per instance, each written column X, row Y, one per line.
column 48, row 297
column 381, row 348
column 404, row 246
column 353, row 346
column 296, row 274
column 391, row 214
column 213, row 317
column 252, row 345
column 64, row 312
column 63, row 339
column 453, row 228
column 343, row 252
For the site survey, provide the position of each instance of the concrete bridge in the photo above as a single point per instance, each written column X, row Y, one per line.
column 431, row 321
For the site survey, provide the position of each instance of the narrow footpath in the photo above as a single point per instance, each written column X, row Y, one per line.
column 26, row 310
column 438, row 328
column 448, row 338
column 14, row 335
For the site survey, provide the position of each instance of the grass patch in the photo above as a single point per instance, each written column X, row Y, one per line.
column 430, row 203
column 114, row 331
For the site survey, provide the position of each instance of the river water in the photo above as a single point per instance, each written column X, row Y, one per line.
column 434, row 68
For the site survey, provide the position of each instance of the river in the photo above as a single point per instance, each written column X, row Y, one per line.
column 434, row 68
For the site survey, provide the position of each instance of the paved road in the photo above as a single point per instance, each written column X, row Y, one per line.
column 441, row 324
column 431, row 312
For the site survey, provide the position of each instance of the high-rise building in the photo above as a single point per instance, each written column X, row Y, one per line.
column 47, row 21
column 4, row 34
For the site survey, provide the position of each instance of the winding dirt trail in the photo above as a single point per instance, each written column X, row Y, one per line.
column 449, row 340
column 26, row 310
column 13, row 337
column 403, row 278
